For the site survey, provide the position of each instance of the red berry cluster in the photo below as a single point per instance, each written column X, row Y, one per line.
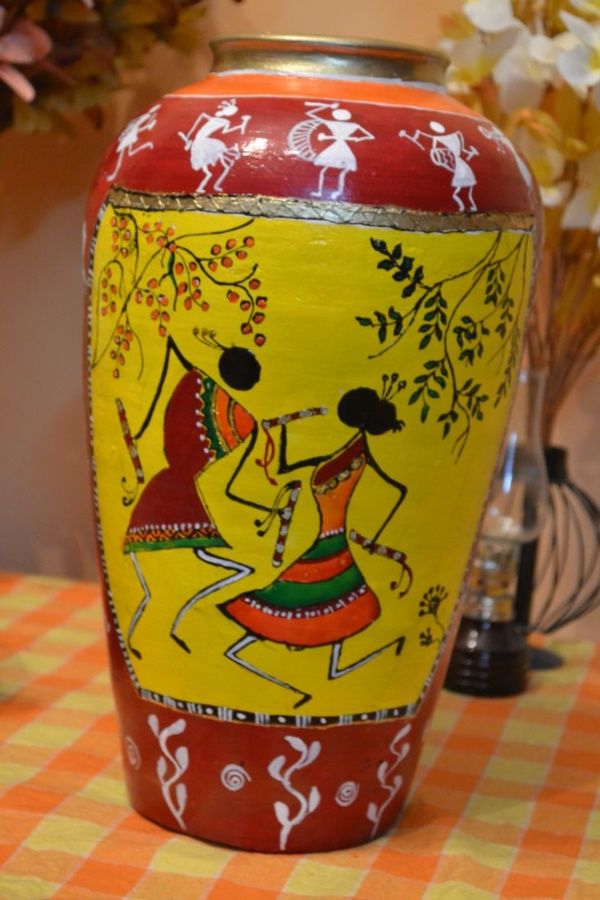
column 123, row 236
column 245, row 290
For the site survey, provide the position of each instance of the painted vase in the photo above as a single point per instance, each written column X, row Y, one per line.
column 308, row 280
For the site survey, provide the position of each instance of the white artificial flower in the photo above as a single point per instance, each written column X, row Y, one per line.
column 490, row 16
column 525, row 70
column 580, row 66
column 591, row 7
column 473, row 58
column 583, row 209
column 547, row 164
column 555, row 194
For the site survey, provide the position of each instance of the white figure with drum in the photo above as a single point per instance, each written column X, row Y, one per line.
column 449, row 150
column 338, row 155
column 208, row 153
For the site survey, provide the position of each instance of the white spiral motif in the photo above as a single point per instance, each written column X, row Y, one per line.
column 347, row 793
column 133, row 752
column 234, row 778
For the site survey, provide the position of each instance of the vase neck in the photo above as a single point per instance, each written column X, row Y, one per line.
column 322, row 56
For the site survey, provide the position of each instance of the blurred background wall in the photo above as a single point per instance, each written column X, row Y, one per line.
column 45, row 519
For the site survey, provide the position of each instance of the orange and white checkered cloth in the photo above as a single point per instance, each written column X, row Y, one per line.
column 506, row 801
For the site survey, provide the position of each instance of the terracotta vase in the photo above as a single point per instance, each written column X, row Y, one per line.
column 308, row 281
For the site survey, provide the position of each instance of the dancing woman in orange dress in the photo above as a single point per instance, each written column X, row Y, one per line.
column 322, row 598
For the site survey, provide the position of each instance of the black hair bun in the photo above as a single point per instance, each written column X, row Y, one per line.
column 363, row 408
column 239, row 368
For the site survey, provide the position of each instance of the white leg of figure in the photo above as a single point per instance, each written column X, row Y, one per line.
column 232, row 654
column 205, row 180
column 149, row 145
column 118, row 166
column 456, row 196
column 340, row 186
column 141, row 606
column 239, row 571
column 319, row 191
column 471, row 200
column 227, row 167
column 336, row 672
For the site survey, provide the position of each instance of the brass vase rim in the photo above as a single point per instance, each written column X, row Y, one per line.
column 325, row 55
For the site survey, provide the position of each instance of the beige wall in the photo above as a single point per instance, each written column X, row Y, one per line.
column 45, row 518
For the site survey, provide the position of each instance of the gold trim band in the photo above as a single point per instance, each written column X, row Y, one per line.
column 318, row 55
column 324, row 211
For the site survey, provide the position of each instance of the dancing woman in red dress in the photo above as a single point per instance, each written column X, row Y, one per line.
column 202, row 424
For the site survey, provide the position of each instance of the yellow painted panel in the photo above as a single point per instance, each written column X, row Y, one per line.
column 326, row 309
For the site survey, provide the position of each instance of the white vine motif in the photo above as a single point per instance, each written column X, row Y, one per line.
column 133, row 752
column 179, row 760
column 234, row 778
column 385, row 769
column 307, row 805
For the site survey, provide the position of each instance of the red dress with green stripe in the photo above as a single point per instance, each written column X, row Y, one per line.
column 322, row 597
column 202, row 424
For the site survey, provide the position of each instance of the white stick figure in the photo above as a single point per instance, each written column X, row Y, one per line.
column 450, row 152
column 338, row 155
column 503, row 145
column 130, row 135
column 207, row 151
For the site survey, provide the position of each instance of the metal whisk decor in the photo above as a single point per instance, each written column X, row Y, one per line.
column 567, row 582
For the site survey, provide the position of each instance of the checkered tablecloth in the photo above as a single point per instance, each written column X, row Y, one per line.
column 506, row 801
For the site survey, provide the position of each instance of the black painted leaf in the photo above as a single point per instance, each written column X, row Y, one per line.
column 362, row 320
column 409, row 290
column 397, row 251
column 432, row 393
column 424, row 341
column 420, row 379
column 431, row 364
column 399, row 276
column 381, row 333
column 424, row 412
column 414, row 397
column 447, row 427
column 380, row 246
column 393, row 313
column 386, row 264
column 398, row 327
column 407, row 264
column 380, row 317
column 419, row 272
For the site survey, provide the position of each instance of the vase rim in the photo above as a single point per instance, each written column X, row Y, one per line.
column 322, row 55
